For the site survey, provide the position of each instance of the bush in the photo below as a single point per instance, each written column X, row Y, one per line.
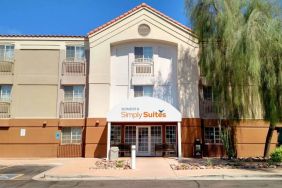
column 276, row 155
column 227, row 141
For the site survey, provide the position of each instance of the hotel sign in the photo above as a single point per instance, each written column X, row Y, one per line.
column 144, row 109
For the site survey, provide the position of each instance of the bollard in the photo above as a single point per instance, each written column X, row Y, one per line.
column 133, row 157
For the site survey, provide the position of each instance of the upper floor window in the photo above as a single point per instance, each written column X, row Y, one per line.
column 74, row 93
column 143, row 53
column 7, row 52
column 75, row 53
column 140, row 91
column 207, row 93
column 5, row 92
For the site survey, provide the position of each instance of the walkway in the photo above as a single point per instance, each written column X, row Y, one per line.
column 146, row 168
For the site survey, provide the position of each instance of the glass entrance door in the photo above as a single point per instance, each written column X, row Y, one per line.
column 143, row 144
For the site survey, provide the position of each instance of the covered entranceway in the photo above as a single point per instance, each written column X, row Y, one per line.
column 146, row 122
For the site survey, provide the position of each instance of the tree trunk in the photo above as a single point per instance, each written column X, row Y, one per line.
column 268, row 139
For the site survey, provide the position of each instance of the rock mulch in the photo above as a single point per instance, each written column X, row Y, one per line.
column 116, row 164
column 216, row 163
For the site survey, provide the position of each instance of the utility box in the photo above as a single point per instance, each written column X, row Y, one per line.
column 198, row 150
column 114, row 153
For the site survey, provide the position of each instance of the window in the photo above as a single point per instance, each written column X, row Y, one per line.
column 156, row 137
column 143, row 53
column 140, row 91
column 6, row 53
column 212, row 135
column 207, row 92
column 74, row 93
column 130, row 135
column 115, row 134
column 5, row 92
column 170, row 134
column 71, row 135
column 75, row 52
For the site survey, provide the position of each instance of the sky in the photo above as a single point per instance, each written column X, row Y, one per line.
column 74, row 17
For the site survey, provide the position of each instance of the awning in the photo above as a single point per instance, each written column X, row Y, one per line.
column 144, row 109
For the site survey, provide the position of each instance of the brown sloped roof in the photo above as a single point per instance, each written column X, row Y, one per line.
column 143, row 5
column 43, row 36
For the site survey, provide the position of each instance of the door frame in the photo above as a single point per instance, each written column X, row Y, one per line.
column 149, row 141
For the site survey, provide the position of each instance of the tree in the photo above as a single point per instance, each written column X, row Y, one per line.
column 240, row 55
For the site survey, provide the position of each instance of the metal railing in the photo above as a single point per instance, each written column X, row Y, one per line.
column 72, row 109
column 74, row 67
column 209, row 108
column 5, row 109
column 143, row 67
column 6, row 67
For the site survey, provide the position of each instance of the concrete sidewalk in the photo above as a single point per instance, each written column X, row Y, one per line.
column 146, row 168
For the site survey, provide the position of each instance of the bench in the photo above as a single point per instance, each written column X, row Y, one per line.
column 165, row 148
column 123, row 148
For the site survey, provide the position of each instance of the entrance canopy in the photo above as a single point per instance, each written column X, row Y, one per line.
column 144, row 109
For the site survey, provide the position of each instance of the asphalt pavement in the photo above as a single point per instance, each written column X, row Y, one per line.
column 24, row 174
column 139, row 184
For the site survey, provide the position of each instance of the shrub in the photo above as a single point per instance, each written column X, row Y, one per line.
column 119, row 164
column 209, row 162
column 227, row 141
column 276, row 155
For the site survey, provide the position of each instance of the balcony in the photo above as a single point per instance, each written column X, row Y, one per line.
column 209, row 109
column 72, row 109
column 73, row 71
column 6, row 67
column 5, row 109
column 143, row 71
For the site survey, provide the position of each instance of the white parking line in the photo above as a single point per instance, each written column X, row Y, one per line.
column 9, row 176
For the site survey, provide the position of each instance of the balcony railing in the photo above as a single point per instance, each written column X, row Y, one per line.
column 74, row 67
column 72, row 109
column 143, row 67
column 6, row 67
column 209, row 109
column 5, row 109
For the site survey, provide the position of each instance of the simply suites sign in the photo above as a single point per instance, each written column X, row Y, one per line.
column 144, row 109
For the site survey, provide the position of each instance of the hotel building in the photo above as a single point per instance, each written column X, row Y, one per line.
column 132, row 81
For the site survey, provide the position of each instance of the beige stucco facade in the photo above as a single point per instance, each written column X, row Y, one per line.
column 39, row 112
column 125, row 32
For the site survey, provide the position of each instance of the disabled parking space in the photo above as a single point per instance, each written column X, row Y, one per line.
column 22, row 172
column 9, row 176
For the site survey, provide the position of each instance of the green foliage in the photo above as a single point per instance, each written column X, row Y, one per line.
column 227, row 141
column 209, row 162
column 240, row 54
column 276, row 155
column 119, row 163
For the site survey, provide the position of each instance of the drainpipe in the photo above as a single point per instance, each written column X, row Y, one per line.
column 108, row 139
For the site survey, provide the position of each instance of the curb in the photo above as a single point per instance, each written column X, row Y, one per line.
column 44, row 177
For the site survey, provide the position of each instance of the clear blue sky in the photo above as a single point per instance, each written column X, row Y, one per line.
column 73, row 17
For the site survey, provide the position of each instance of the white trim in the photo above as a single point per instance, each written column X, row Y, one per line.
column 149, row 141
column 61, row 132
column 179, row 140
column 108, row 139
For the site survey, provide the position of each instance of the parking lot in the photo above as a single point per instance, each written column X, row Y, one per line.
column 22, row 172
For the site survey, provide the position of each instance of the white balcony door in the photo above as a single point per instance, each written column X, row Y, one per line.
column 143, row 141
